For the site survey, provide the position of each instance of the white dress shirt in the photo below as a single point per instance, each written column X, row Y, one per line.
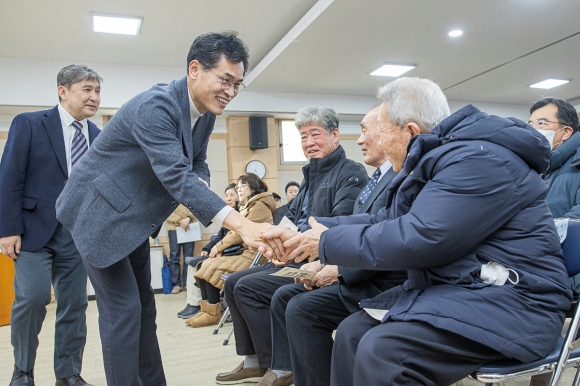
column 222, row 214
column 68, row 132
column 384, row 169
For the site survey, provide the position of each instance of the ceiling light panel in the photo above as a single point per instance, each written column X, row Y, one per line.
column 392, row 70
column 549, row 83
column 124, row 25
column 455, row 33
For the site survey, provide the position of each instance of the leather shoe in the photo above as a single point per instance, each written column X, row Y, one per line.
column 73, row 380
column 21, row 378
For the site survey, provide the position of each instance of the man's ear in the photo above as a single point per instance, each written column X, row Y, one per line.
column 568, row 131
column 61, row 90
column 194, row 68
column 412, row 128
column 335, row 133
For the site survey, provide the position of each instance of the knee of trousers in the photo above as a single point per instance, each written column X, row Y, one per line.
column 33, row 300
column 229, row 287
column 244, row 289
column 299, row 311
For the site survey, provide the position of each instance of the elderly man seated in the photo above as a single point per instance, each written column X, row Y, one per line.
column 331, row 185
column 467, row 218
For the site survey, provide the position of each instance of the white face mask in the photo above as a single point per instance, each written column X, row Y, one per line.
column 549, row 134
column 497, row 274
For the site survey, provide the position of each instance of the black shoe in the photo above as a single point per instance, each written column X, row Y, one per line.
column 192, row 311
column 185, row 310
column 194, row 260
column 21, row 378
column 73, row 380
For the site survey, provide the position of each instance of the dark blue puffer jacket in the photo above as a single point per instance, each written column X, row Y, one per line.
column 563, row 178
column 468, row 193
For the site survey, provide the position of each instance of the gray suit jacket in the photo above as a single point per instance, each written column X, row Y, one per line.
column 145, row 162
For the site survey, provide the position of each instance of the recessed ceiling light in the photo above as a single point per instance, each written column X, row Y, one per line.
column 124, row 25
column 549, row 83
column 393, row 70
column 455, row 33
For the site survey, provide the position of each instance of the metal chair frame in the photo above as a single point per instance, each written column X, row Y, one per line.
column 567, row 350
column 255, row 263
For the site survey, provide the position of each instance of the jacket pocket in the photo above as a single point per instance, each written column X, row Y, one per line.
column 112, row 193
column 28, row 203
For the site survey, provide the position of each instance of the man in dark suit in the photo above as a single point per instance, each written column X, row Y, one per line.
column 317, row 306
column 41, row 150
column 150, row 159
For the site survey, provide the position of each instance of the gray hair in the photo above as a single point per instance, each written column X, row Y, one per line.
column 415, row 100
column 324, row 116
column 75, row 73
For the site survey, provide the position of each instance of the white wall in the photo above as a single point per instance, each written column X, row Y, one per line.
column 28, row 82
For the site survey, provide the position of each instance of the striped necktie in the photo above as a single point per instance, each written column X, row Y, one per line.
column 79, row 144
column 369, row 188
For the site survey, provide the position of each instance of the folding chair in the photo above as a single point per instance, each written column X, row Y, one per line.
column 255, row 262
column 567, row 350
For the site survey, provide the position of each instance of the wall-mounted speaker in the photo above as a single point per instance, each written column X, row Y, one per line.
column 258, row 133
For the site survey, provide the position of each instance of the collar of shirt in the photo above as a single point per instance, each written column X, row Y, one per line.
column 385, row 168
column 192, row 110
column 66, row 119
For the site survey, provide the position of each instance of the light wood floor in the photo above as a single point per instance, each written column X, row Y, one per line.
column 191, row 356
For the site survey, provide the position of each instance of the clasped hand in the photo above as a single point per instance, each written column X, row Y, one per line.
column 286, row 246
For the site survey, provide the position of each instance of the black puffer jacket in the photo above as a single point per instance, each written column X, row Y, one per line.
column 332, row 184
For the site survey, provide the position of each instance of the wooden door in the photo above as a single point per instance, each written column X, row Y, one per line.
column 6, row 289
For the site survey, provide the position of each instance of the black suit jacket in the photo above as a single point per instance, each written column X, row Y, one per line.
column 357, row 284
column 33, row 173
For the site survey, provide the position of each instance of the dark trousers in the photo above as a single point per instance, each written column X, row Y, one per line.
column 367, row 352
column 249, row 294
column 58, row 262
column 178, row 278
column 209, row 292
column 127, row 313
column 302, row 326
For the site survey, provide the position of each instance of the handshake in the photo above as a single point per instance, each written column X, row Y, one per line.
column 283, row 246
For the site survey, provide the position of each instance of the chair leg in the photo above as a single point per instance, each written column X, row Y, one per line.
column 576, row 377
column 222, row 320
column 227, row 340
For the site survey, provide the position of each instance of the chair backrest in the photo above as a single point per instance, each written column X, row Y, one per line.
column 571, row 248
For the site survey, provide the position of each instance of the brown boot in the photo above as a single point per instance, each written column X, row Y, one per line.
column 209, row 318
column 202, row 309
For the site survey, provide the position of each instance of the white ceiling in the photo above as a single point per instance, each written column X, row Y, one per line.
column 506, row 46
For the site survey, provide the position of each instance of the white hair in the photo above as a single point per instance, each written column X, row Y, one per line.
column 324, row 116
column 414, row 100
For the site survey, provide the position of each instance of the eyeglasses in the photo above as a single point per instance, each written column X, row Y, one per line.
column 242, row 186
column 226, row 84
column 542, row 123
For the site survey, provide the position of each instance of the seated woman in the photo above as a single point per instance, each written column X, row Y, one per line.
column 256, row 205
column 193, row 293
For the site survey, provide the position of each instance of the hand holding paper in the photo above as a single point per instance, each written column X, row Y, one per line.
column 190, row 235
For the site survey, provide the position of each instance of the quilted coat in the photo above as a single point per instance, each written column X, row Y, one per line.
column 469, row 193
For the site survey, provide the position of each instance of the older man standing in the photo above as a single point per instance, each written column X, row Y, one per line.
column 42, row 149
column 331, row 185
column 468, row 201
